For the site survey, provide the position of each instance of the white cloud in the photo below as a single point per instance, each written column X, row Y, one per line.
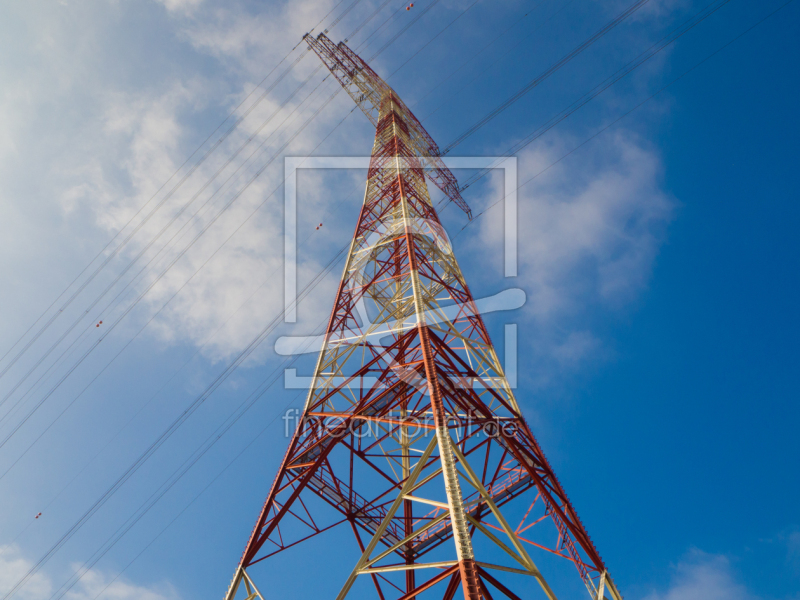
column 577, row 347
column 246, row 41
column 701, row 576
column 654, row 9
column 793, row 550
column 14, row 566
column 136, row 141
column 139, row 141
column 180, row 5
column 590, row 229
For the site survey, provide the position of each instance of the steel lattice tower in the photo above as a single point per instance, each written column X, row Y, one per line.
column 410, row 433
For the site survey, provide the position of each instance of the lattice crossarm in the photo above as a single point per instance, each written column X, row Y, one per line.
column 434, row 166
column 367, row 90
column 444, row 179
column 359, row 81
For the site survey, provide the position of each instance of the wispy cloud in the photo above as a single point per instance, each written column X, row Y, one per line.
column 247, row 41
column 13, row 566
column 183, row 6
column 590, row 229
column 701, row 576
column 123, row 146
column 793, row 551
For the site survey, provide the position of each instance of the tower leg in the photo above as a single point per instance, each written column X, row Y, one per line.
column 241, row 576
column 235, row 583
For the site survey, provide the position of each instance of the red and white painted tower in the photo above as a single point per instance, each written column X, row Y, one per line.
column 411, row 437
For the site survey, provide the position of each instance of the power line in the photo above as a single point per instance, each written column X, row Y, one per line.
column 632, row 65
column 197, row 496
column 197, row 351
column 173, row 427
column 483, row 49
column 108, row 331
column 527, row 181
column 495, row 61
column 366, row 42
column 274, row 376
column 368, row 19
column 141, row 408
column 124, row 242
column 119, row 319
column 164, row 229
column 547, row 73
column 149, row 245
column 341, row 16
column 225, row 120
column 165, row 435
column 153, row 317
column 410, row 24
column 445, row 28
column 628, row 112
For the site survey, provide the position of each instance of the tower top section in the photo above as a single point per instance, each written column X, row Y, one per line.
column 368, row 90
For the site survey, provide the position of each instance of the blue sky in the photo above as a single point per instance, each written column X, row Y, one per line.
column 658, row 344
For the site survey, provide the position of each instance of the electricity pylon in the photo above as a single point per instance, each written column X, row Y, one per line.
column 410, row 433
